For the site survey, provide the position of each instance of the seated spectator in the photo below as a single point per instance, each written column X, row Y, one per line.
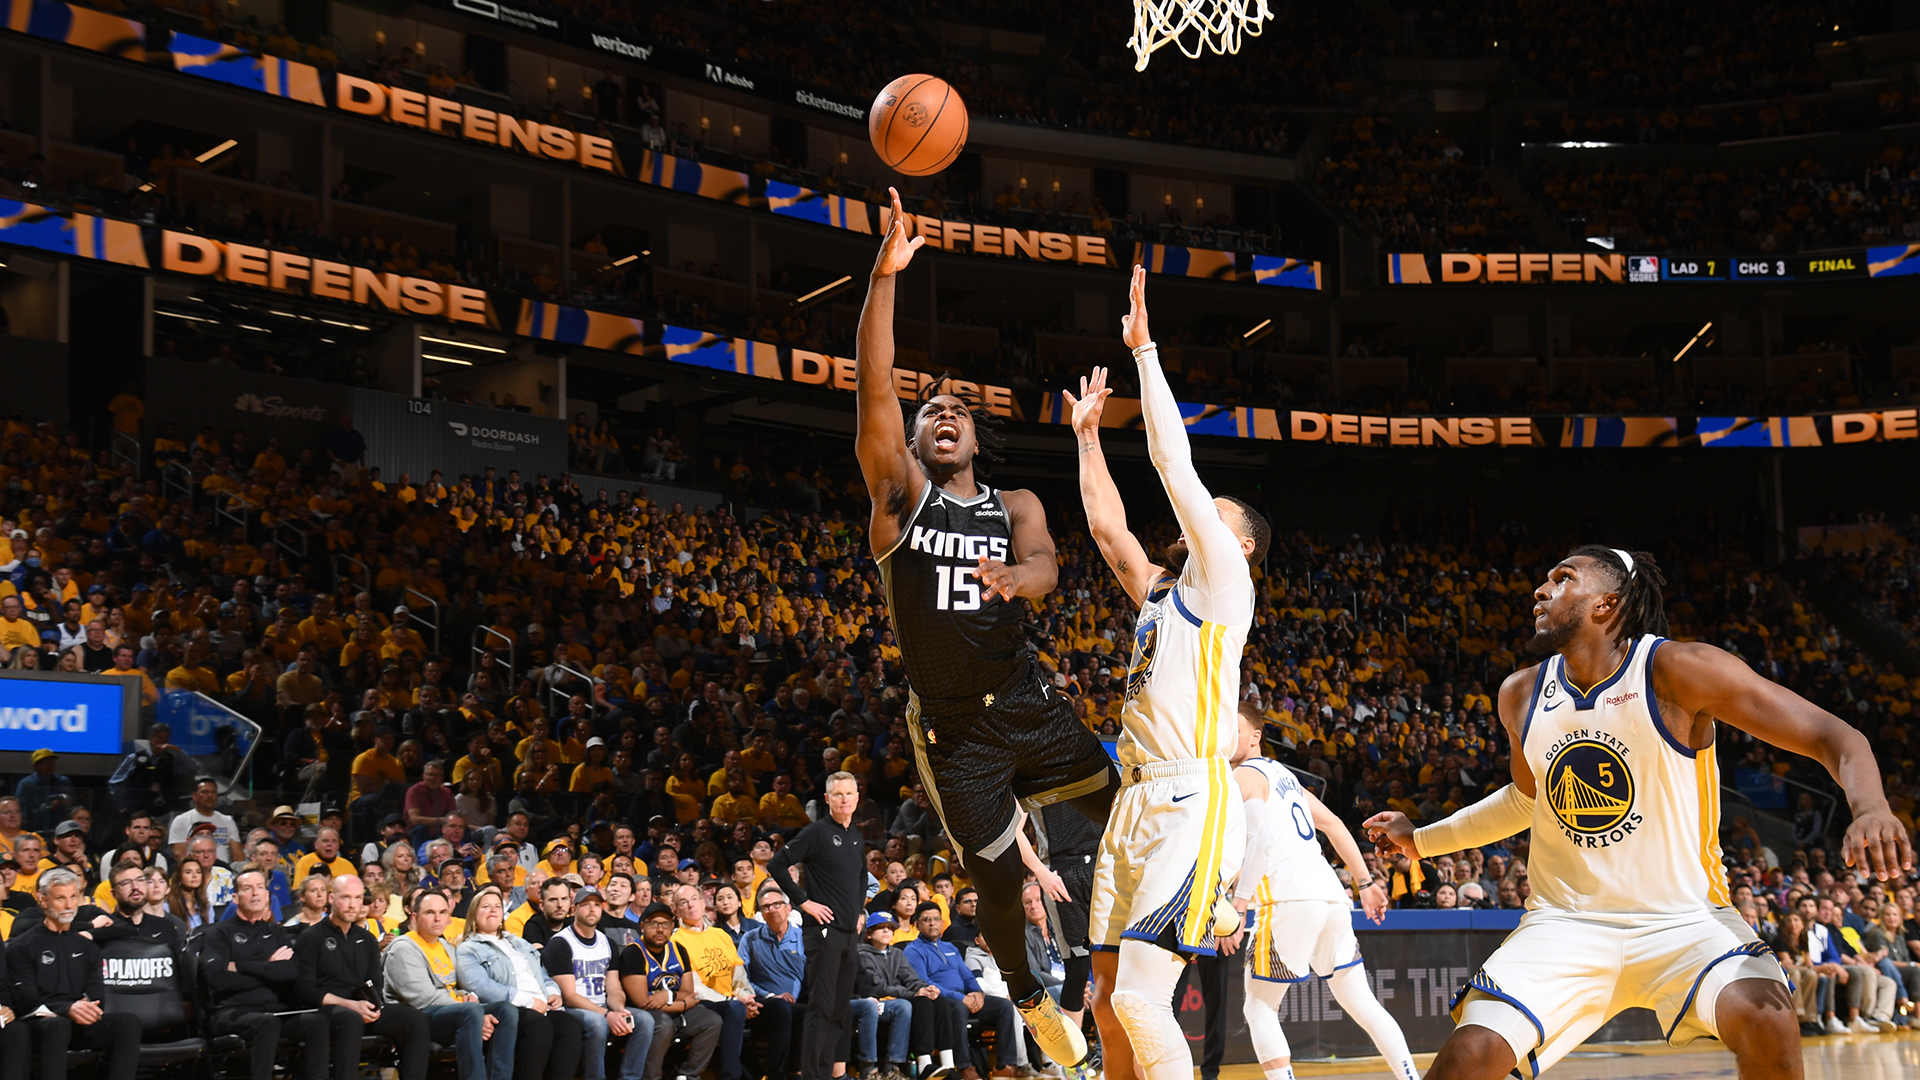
column 658, row 978
column 773, row 951
column 71, row 988
column 578, row 958
column 888, row 990
column 252, row 975
column 940, row 964
column 421, row 973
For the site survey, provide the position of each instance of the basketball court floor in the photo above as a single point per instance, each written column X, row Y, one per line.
column 1839, row 1057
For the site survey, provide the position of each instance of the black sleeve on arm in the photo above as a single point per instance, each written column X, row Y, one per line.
column 793, row 851
column 557, row 957
column 21, row 976
column 376, row 980
column 218, row 953
column 96, row 973
column 306, row 953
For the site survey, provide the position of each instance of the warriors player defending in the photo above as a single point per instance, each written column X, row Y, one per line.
column 1177, row 833
column 954, row 555
column 1302, row 922
column 1614, row 771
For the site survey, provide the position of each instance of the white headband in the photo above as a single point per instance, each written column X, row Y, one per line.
column 1625, row 558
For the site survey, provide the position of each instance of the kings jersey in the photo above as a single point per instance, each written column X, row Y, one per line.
column 956, row 641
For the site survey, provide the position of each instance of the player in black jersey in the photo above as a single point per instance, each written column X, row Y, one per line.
column 956, row 557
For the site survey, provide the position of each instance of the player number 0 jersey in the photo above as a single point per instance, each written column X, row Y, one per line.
column 1296, row 870
column 1626, row 818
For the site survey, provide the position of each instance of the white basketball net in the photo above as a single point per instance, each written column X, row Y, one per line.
column 1194, row 25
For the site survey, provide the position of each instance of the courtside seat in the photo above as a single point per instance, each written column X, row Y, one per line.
column 145, row 979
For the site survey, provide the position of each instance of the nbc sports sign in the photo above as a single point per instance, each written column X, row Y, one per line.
column 69, row 715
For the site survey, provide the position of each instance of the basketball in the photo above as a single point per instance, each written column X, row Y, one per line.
column 918, row 125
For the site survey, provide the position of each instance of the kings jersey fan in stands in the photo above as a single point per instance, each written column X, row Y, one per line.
column 918, row 125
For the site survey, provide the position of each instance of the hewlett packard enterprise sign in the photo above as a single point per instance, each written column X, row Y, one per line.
column 66, row 713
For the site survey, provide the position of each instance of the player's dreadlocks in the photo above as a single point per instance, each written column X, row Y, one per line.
column 1643, row 610
column 986, row 423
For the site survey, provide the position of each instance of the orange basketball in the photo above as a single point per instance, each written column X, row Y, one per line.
column 918, row 125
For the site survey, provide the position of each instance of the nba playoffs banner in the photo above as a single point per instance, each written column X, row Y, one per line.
column 1593, row 268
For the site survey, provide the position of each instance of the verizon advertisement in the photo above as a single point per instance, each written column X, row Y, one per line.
column 659, row 56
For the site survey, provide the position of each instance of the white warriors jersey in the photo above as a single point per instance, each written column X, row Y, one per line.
column 1183, row 685
column 1294, row 866
column 1626, row 818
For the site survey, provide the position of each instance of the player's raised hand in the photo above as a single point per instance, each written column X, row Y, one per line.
column 996, row 578
column 896, row 251
column 1877, row 843
column 1086, row 409
column 1133, row 325
column 1389, row 830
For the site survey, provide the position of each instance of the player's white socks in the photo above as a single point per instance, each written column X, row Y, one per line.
column 1350, row 989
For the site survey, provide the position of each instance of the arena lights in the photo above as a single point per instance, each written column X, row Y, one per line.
column 217, row 151
column 447, row 359
column 1696, row 337
column 464, row 344
column 831, row 286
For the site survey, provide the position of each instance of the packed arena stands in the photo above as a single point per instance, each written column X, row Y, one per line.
column 1815, row 202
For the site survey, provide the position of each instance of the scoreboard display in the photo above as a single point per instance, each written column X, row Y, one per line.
column 1596, row 268
column 1751, row 268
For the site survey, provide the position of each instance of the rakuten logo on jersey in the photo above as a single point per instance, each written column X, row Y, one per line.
column 952, row 545
column 1622, row 699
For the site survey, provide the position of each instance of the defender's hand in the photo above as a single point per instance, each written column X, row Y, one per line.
column 1086, row 408
column 1391, row 831
column 1133, row 325
column 896, row 251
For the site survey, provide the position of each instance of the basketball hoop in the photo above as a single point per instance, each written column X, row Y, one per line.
column 1194, row 25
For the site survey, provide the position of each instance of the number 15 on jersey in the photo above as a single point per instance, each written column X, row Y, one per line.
column 956, row 593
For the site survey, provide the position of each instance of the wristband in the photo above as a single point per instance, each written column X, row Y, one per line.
column 1149, row 351
column 1363, row 886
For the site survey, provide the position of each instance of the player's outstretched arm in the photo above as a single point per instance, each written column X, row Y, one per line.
column 880, row 437
column 1106, row 512
column 1697, row 683
column 1373, row 894
column 1216, row 563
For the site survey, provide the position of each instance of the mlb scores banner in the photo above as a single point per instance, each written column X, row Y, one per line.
column 1592, row 268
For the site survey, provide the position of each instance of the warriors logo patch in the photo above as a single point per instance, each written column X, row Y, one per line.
column 1590, row 791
